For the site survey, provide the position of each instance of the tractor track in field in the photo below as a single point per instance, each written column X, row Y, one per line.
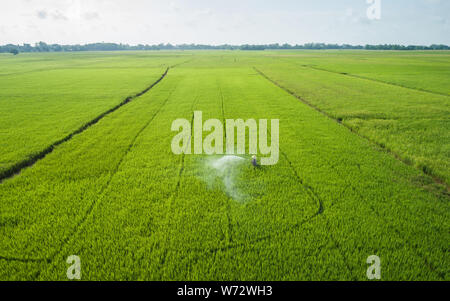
column 321, row 209
column 79, row 131
column 33, row 159
column 182, row 63
column 101, row 194
column 374, row 80
column 94, row 203
column 178, row 184
column 223, row 110
column 183, row 156
column 228, row 209
column 437, row 180
column 370, row 206
column 310, row 192
column 314, row 196
column 308, row 189
column 91, row 207
column 418, row 254
column 396, row 230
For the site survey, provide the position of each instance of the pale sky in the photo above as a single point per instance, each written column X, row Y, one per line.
column 216, row 22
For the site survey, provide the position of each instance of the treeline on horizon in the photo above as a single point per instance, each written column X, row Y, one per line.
column 44, row 47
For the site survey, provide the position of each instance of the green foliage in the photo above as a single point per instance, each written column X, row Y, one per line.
column 44, row 47
column 401, row 102
column 117, row 196
column 45, row 97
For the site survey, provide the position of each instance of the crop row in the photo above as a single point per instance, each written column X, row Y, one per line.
column 119, row 198
column 44, row 100
column 161, row 216
column 412, row 124
column 43, row 206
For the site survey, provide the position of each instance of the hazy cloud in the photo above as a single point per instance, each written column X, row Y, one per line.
column 57, row 15
column 42, row 14
column 231, row 21
column 175, row 7
column 89, row 16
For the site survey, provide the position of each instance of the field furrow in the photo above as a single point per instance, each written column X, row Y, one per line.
column 375, row 80
column 80, row 171
column 115, row 194
column 32, row 159
column 41, row 109
column 412, row 125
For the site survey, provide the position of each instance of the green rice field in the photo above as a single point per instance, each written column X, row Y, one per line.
column 87, row 169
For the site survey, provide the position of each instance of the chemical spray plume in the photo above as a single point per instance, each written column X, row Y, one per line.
column 226, row 169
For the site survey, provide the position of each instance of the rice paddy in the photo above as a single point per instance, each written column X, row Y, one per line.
column 87, row 167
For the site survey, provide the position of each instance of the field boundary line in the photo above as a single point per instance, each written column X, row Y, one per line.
column 379, row 146
column 66, row 240
column 374, row 80
column 314, row 197
column 417, row 253
column 173, row 194
column 309, row 190
column 397, row 232
column 29, row 162
column 49, row 259
column 228, row 206
column 312, row 194
column 181, row 63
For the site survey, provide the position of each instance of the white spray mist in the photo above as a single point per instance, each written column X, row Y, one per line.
column 225, row 169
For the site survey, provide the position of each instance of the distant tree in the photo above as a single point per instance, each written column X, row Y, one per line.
column 44, row 47
column 27, row 48
column 14, row 51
